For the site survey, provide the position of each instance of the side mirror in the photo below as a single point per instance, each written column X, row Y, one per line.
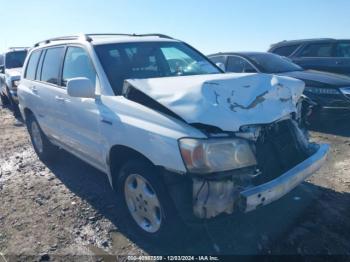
column 2, row 69
column 221, row 66
column 80, row 87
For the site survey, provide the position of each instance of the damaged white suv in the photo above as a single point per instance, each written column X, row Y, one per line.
column 178, row 139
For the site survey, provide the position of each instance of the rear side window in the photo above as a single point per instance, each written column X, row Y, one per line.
column 239, row 65
column 77, row 64
column 285, row 50
column 32, row 65
column 218, row 59
column 342, row 49
column 317, row 50
column 51, row 65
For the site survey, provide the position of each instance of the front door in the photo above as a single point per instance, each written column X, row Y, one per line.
column 83, row 121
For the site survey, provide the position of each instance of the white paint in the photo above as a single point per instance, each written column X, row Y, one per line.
column 226, row 101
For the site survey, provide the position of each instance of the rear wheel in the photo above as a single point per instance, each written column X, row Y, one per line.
column 145, row 208
column 42, row 146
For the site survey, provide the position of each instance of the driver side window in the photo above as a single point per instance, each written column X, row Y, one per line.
column 239, row 65
column 77, row 64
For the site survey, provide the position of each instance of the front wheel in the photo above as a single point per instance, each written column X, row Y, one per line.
column 145, row 207
column 42, row 146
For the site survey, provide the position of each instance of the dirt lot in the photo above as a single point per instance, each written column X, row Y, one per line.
column 67, row 208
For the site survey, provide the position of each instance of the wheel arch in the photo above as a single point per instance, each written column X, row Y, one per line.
column 119, row 155
column 26, row 113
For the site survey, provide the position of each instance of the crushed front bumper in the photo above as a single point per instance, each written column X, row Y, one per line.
column 264, row 194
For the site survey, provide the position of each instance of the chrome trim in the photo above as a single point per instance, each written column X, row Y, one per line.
column 275, row 189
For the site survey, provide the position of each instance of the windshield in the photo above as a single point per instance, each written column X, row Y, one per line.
column 15, row 59
column 150, row 60
column 272, row 64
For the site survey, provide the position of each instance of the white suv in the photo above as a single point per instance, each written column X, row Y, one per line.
column 178, row 139
column 10, row 73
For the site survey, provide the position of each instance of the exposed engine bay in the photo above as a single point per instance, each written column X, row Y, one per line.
column 278, row 147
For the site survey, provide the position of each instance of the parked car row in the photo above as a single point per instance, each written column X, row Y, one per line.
column 324, row 89
column 179, row 140
column 327, row 54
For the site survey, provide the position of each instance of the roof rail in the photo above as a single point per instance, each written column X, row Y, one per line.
column 136, row 35
column 302, row 40
column 87, row 37
column 61, row 38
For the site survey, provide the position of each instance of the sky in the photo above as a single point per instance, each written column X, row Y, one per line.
column 208, row 25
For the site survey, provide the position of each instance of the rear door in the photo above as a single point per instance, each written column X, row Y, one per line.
column 342, row 54
column 317, row 56
column 28, row 93
column 51, row 110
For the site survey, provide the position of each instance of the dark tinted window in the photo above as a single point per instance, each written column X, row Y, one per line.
column 32, row 65
column 342, row 49
column 317, row 50
column 149, row 60
column 15, row 59
column 1, row 59
column 285, row 50
column 218, row 59
column 77, row 64
column 272, row 64
column 239, row 65
column 51, row 65
column 40, row 65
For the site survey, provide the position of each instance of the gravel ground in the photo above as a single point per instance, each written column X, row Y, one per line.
column 65, row 208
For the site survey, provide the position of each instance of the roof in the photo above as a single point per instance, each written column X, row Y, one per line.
column 105, row 38
column 14, row 49
column 244, row 53
column 288, row 42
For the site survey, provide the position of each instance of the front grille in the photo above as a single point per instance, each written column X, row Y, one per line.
column 277, row 151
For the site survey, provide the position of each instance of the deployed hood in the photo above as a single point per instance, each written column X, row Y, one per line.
column 323, row 78
column 226, row 101
column 13, row 72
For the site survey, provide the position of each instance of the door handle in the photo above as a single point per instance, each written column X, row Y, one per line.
column 60, row 99
column 34, row 89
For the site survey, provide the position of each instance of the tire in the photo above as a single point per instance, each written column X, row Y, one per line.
column 134, row 176
column 42, row 146
column 316, row 116
column 14, row 107
column 4, row 100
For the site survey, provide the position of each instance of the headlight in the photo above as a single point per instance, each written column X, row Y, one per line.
column 215, row 155
column 345, row 90
column 322, row 91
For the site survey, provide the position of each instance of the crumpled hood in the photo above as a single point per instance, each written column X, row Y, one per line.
column 227, row 101
column 13, row 72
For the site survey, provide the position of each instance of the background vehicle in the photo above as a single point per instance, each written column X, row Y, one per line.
column 166, row 126
column 329, row 55
column 10, row 73
column 326, row 90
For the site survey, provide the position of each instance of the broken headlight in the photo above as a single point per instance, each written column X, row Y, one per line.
column 216, row 155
